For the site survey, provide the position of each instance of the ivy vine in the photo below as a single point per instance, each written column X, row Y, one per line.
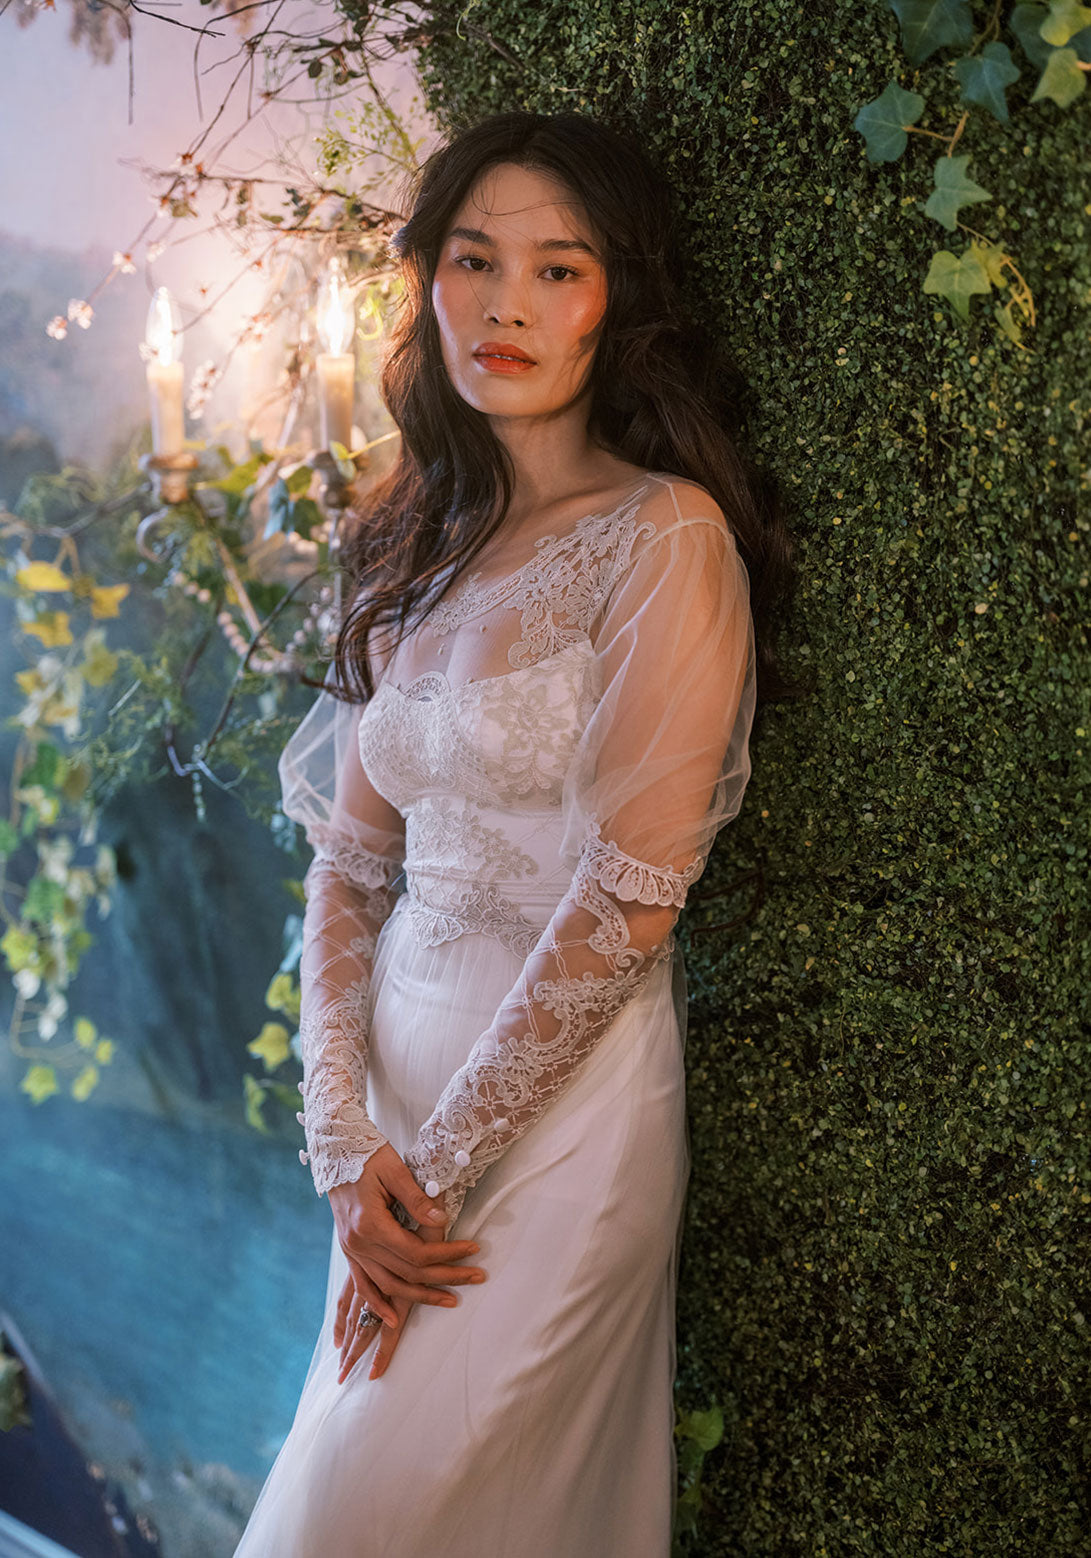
column 1055, row 40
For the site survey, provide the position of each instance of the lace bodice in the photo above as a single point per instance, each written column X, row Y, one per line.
column 560, row 744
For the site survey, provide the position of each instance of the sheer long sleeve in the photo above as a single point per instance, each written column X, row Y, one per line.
column 359, row 849
column 662, row 765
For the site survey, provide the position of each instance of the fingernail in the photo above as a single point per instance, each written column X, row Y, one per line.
column 436, row 1216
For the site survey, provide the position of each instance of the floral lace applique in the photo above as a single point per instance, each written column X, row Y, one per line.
column 558, row 591
column 441, row 828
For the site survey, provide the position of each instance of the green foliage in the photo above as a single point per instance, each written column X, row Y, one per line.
column 96, row 720
column 884, row 1272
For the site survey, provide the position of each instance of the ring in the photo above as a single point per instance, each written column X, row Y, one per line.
column 366, row 1318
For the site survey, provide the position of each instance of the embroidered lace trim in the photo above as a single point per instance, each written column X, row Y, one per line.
column 595, row 955
column 354, row 863
column 568, row 578
column 635, row 880
column 467, row 908
column 348, row 895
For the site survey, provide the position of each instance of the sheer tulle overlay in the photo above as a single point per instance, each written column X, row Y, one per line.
column 504, row 838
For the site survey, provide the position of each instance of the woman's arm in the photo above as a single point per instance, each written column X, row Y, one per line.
column 661, row 767
column 349, row 894
column 359, row 844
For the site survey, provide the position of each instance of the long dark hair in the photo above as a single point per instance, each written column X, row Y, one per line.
column 663, row 397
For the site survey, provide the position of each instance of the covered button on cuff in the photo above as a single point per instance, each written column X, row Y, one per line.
column 431, row 1188
column 462, row 1159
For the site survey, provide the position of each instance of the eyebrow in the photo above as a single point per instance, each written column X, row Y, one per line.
column 565, row 245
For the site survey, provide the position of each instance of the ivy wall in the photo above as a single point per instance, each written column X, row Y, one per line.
column 886, row 1260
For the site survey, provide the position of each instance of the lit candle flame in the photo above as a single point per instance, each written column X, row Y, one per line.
column 163, row 328
column 335, row 313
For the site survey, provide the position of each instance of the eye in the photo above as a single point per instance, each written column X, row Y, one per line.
column 459, row 258
column 566, row 268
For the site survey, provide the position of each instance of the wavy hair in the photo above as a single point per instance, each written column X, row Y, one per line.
column 663, row 396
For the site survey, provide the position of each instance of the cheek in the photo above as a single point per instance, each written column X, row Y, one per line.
column 453, row 299
column 582, row 314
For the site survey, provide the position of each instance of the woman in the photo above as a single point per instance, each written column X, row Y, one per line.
column 541, row 750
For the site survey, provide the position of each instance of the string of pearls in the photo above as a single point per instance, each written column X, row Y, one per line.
column 314, row 620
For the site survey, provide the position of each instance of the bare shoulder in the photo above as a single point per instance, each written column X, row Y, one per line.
column 675, row 500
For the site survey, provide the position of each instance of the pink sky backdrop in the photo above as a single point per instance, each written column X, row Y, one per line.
column 64, row 185
column 64, row 118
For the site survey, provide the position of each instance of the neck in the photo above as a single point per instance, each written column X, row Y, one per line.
column 551, row 456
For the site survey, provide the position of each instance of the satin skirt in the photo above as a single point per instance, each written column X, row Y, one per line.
column 534, row 1419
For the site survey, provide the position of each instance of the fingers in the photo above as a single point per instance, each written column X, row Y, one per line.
column 357, row 1338
column 372, row 1291
column 396, row 1177
column 348, row 1292
column 411, row 1272
column 416, row 1257
column 398, row 1288
column 388, row 1341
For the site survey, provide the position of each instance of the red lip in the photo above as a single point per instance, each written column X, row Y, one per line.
column 501, row 349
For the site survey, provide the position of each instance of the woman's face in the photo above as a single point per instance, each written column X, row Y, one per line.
column 519, row 268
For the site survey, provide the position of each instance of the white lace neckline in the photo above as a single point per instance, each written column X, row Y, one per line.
column 439, row 682
column 470, row 598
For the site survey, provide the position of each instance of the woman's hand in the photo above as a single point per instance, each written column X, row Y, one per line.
column 355, row 1340
column 386, row 1260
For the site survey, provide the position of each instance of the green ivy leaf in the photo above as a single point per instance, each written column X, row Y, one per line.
column 928, row 25
column 953, row 191
column 882, row 121
column 957, row 277
column 706, row 1429
column 1025, row 23
column 985, row 78
column 1062, row 80
column 1065, row 19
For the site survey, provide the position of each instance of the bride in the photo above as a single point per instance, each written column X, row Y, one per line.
column 511, row 778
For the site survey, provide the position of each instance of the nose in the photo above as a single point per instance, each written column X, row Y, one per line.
column 505, row 306
column 499, row 316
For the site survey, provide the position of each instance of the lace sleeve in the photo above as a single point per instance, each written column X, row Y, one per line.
column 359, row 847
column 662, row 765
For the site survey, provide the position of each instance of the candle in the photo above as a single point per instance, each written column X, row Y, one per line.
column 335, row 319
column 165, row 375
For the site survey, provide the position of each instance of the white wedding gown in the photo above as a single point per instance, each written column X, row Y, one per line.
column 503, row 838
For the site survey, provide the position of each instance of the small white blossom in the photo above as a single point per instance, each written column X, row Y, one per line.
column 205, row 378
column 155, row 249
column 54, row 856
column 124, row 262
column 27, row 983
column 81, row 312
column 57, row 327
